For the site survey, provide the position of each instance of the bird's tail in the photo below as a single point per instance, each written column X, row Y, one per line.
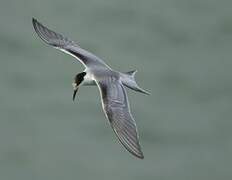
column 128, row 80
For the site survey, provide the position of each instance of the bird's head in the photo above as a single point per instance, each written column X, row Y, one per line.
column 77, row 82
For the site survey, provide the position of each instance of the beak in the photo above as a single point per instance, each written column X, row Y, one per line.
column 75, row 87
column 74, row 94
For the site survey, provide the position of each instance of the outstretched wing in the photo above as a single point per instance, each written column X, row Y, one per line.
column 116, row 108
column 66, row 45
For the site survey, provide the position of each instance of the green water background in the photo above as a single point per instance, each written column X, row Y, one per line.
column 182, row 50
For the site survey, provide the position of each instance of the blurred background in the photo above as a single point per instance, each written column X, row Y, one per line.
column 182, row 50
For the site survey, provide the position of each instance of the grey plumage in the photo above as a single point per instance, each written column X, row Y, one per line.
column 116, row 107
column 110, row 83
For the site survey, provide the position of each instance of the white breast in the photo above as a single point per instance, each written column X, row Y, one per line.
column 88, row 79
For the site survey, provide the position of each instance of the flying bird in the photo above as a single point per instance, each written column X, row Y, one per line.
column 110, row 83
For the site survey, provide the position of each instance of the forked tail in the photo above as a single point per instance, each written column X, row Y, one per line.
column 128, row 80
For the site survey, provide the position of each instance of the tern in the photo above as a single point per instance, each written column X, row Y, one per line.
column 110, row 83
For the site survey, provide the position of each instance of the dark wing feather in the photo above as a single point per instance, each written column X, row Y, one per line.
column 66, row 45
column 116, row 107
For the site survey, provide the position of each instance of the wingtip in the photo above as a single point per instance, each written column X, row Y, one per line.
column 140, row 156
column 41, row 30
column 34, row 21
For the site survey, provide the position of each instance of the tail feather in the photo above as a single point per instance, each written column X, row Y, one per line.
column 132, row 73
column 130, row 82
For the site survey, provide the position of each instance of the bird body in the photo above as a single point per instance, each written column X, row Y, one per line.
column 110, row 83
